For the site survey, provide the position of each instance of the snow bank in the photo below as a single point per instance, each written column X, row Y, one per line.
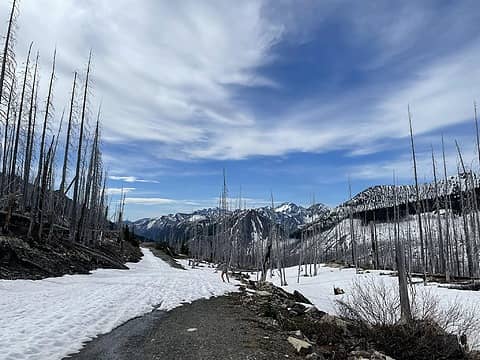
column 319, row 289
column 50, row 318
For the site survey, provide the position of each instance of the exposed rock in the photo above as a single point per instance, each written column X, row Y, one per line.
column 327, row 318
column 315, row 313
column 242, row 288
column 300, row 298
column 368, row 355
column 301, row 346
column 338, row 291
column 315, row 356
column 263, row 293
column 298, row 309
column 296, row 333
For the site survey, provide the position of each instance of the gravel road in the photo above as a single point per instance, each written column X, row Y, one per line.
column 218, row 328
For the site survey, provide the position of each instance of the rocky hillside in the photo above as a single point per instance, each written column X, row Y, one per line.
column 22, row 259
column 383, row 196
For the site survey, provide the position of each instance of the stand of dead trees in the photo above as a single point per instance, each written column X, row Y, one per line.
column 34, row 190
column 386, row 230
column 430, row 230
column 225, row 238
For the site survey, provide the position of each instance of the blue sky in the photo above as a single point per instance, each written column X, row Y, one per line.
column 292, row 97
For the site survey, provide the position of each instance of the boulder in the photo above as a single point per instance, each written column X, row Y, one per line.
column 301, row 346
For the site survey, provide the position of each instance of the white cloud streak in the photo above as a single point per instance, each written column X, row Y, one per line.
column 119, row 191
column 131, row 179
column 150, row 201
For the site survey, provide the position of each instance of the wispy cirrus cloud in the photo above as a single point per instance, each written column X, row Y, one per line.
column 119, row 191
column 150, row 201
column 131, row 179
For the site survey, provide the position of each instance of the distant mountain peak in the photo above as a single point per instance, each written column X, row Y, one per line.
column 287, row 207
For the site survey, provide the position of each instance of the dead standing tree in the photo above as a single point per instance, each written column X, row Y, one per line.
column 73, row 216
column 441, row 250
column 7, row 88
column 12, row 182
column 68, row 140
column 418, row 205
column 466, row 211
column 7, row 72
column 30, row 137
column 406, row 313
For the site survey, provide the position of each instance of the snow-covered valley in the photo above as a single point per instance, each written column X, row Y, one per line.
column 51, row 318
column 54, row 317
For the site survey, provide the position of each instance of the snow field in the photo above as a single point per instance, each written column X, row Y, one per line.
column 53, row 317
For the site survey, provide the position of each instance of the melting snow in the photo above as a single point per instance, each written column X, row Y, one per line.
column 50, row 318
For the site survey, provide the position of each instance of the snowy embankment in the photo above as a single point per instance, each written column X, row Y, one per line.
column 50, row 318
column 319, row 289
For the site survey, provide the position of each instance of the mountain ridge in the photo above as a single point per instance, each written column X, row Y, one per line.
column 289, row 214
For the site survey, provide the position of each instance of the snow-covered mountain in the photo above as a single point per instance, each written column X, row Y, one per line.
column 293, row 216
column 383, row 196
column 160, row 228
column 290, row 215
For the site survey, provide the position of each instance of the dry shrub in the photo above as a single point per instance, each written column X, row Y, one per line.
column 418, row 340
column 373, row 303
column 370, row 303
column 453, row 316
